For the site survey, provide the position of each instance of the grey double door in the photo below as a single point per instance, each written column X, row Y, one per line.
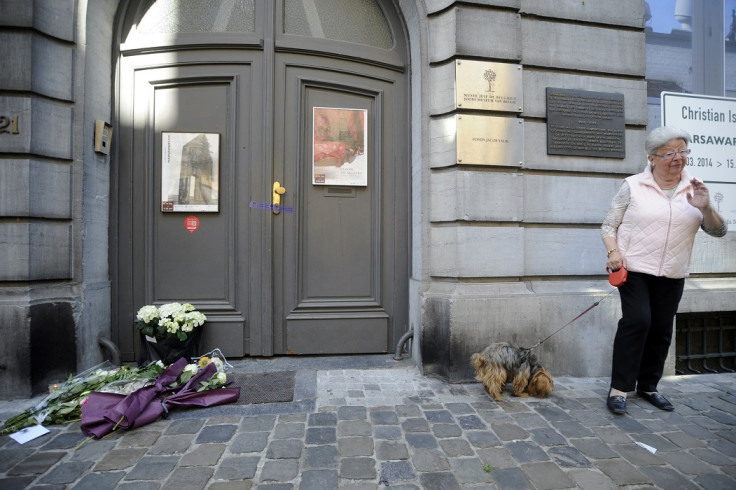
column 328, row 273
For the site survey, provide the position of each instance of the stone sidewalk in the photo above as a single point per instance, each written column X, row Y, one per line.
column 368, row 422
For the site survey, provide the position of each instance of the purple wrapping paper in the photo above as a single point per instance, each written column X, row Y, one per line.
column 103, row 411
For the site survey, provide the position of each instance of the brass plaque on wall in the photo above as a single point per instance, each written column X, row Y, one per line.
column 490, row 140
column 585, row 123
column 488, row 86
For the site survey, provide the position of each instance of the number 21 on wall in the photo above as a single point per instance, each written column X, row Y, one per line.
column 9, row 125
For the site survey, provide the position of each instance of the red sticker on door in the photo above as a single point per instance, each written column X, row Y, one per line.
column 191, row 223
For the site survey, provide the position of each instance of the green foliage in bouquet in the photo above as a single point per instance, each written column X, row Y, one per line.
column 169, row 320
column 64, row 405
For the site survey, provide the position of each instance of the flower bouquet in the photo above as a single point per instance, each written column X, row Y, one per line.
column 63, row 405
column 170, row 330
column 106, row 398
column 203, row 384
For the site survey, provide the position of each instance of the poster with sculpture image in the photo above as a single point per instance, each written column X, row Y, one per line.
column 190, row 165
column 339, row 147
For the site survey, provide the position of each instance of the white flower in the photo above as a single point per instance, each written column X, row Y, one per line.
column 221, row 378
column 197, row 318
column 191, row 368
column 179, row 317
column 219, row 364
column 170, row 309
column 148, row 313
column 171, row 326
column 176, row 318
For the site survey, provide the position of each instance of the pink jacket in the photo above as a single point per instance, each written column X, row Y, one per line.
column 656, row 235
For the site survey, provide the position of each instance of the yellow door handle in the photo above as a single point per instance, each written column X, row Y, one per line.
column 277, row 191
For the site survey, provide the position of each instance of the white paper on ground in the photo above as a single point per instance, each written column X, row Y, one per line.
column 648, row 448
column 29, row 433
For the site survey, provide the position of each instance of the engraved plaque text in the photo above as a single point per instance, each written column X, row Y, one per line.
column 584, row 123
column 488, row 86
column 490, row 140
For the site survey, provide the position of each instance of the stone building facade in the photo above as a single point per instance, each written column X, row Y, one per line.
column 496, row 252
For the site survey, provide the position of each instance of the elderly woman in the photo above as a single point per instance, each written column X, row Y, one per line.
column 650, row 229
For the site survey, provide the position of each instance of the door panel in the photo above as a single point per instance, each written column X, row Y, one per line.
column 336, row 256
column 209, row 267
column 338, row 251
column 178, row 255
column 338, row 246
column 342, row 334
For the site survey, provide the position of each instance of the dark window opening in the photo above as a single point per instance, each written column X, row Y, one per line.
column 706, row 343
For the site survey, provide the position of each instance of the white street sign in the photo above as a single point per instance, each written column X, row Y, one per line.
column 711, row 121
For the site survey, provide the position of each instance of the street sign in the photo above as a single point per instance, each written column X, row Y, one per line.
column 711, row 121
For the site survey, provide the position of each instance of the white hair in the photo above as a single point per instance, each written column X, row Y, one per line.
column 660, row 136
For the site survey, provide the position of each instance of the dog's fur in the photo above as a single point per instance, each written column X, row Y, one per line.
column 501, row 362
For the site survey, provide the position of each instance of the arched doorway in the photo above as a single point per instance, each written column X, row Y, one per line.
column 215, row 106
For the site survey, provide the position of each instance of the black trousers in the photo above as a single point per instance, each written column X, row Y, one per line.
column 648, row 306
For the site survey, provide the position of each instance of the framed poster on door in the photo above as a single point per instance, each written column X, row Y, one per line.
column 190, row 165
column 339, row 147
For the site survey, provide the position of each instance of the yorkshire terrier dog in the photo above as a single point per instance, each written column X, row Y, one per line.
column 502, row 362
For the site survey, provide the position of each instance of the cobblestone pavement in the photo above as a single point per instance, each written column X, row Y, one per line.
column 369, row 422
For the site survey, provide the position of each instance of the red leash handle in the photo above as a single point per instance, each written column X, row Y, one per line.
column 618, row 277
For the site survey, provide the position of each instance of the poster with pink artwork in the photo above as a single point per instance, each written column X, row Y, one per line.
column 339, row 147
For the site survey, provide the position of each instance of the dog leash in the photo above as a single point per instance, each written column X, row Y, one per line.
column 571, row 321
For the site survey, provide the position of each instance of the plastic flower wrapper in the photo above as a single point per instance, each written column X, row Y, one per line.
column 218, row 380
column 214, row 356
column 135, row 381
column 187, row 373
column 64, row 404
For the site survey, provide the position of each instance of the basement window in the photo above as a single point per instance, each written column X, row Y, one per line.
column 706, row 342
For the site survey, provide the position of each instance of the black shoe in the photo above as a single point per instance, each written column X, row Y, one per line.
column 657, row 400
column 616, row 403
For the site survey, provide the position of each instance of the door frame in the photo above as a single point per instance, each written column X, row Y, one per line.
column 180, row 49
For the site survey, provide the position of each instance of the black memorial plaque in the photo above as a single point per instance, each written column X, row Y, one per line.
column 583, row 123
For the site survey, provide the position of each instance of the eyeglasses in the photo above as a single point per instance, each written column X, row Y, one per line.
column 671, row 154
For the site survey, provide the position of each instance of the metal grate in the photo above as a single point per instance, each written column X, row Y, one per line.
column 706, row 342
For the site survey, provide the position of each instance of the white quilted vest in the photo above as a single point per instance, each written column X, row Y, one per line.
column 656, row 235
